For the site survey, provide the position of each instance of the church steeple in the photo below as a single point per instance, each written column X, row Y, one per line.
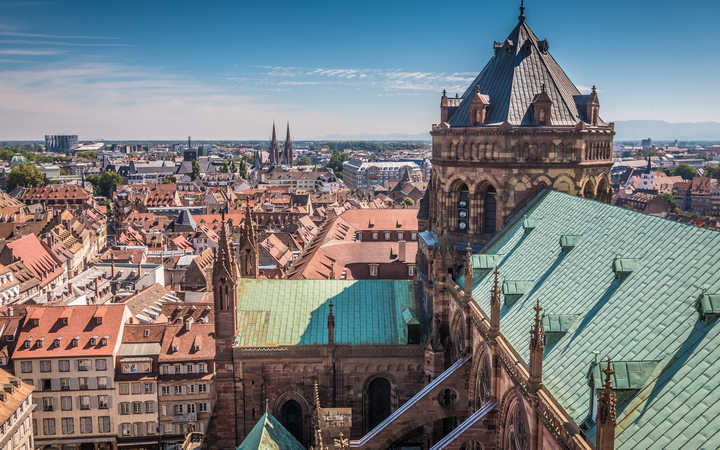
column 274, row 148
column 224, row 278
column 249, row 258
column 288, row 149
column 522, row 11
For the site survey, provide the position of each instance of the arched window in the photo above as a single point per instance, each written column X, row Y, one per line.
column 463, row 208
column 589, row 189
column 490, row 211
column 378, row 401
column 482, row 381
column 517, row 432
column 291, row 418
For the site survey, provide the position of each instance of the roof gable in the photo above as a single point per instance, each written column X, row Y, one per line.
column 512, row 79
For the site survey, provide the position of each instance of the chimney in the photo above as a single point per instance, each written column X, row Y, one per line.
column 112, row 266
column 97, row 291
column 139, row 269
column 402, row 251
column 331, row 326
column 10, row 311
column 187, row 324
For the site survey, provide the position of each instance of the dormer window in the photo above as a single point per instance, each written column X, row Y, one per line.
column 62, row 321
column 146, row 333
column 98, row 320
column 34, row 323
column 542, row 106
column 173, row 349
column 104, row 341
column 74, row 342
column 478, row 108
column 27, row 343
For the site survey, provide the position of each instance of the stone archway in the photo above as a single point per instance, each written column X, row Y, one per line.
column 379, row 401
column 564, row 184
column 458, row 335
column 604, row 191
column 480, row 391
column 291, row 417
column 588, row 190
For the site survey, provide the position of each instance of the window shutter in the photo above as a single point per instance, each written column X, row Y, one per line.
column 55, row 384
column 92, row 383
column 74, row 384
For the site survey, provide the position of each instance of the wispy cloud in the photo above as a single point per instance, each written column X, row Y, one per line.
column 383, row 79
column 11, row 33
column 61, row 43
column 24, row 52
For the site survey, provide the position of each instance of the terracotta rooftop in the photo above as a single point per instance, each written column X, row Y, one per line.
column 35, row 257
column 180, row 344
column 18, row 392
column 69, row 331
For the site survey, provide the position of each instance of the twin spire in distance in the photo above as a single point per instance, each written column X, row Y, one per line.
column 282, row 157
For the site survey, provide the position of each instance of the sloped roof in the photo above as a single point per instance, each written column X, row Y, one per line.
column 650, row 315
column 269, row 434
column 295, row 312
column 512, row 79
column 185, row 219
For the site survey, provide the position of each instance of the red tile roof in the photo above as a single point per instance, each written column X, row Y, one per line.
column 196, row 344
column 81, row 323
column 35, row 257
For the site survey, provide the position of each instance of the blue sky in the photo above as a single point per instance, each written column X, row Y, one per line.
column 226, row 70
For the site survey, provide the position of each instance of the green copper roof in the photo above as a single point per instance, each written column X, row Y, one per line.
column 709, row 305
column 295, row 312
column 649, row 315
column 569, row 241
column 269, row 434
column 631, row 375
column 485, row 261
column 558, row 323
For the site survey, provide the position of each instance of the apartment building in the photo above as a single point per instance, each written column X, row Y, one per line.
column 186, row 378
column 68, row 354
column 361, row 175
column 137, row 386
column 16, row 424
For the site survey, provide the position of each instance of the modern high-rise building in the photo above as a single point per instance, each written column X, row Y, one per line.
column 60, row 143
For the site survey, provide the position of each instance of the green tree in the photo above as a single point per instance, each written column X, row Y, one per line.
column 243, row 169
column 105, row 184
column 712, row 171
column 6, row 154
column 170, row 179
column 195, row 171
column 224, row 168
column 304, row 161
column 336, row 162
column 249, row 158
column 685, row 171
column 670, row 200
column 87, row 154
column 407, row 201
column 233, row 168
column 26, row 175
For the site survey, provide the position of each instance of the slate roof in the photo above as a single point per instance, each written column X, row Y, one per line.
column 269, row 434
column 512, row 79
column 295, row 312
column 650, row 315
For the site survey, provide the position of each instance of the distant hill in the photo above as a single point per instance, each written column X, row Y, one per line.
column 660, row 130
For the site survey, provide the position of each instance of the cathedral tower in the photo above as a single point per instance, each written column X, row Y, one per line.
column 520, row 126
column 288, row 149
column 274, row 149
column 248, row 251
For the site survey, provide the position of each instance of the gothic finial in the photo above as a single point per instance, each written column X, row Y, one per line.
column 609, row 372
column 542, row 88
column 266, row 406
column 495, row 302
column 594, row 89
column 522, row 11
column 444, row 93
column 606, row 414
column 537, row 348
column 468, row 271
column 331, row 325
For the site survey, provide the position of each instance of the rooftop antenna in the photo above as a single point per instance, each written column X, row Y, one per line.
column 522, row 11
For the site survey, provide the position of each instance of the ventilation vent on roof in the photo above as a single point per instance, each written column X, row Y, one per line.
column 544, row 45
column 529, row 224
column 556, row 326
column 624, row 266
column 514, row 289
column 708, row 306
column 569, row 241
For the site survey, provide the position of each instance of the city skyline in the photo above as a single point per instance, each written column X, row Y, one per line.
column 151, row 71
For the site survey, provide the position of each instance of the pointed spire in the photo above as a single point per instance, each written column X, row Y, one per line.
column 606, row 415
column 274, row 148
column 331, row 325
column 537, row 348
column 468, row 272
column 495, row 305
column 288, row 149
column 522, row 11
